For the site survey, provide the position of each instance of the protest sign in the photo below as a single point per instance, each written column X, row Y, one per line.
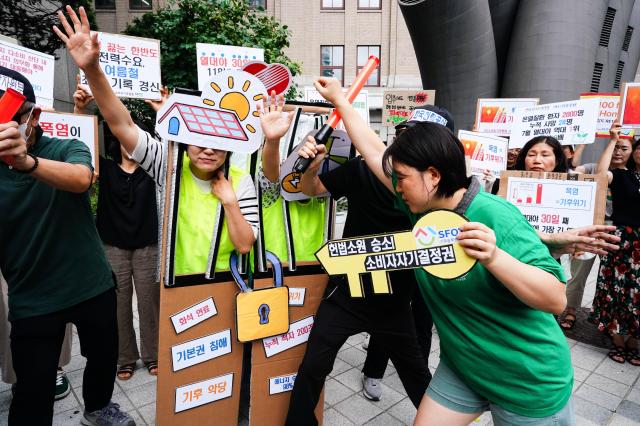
column 338, row 150
column 215, row 58
column 204, row 392
column 73, row 126
column 223, row 117
column 360, row 103
column 37, row 67
column 397, row 105
column 608, row 106
column 570, row 122
column 431, row 245
column 485, row 152
column 555, row 202
column 629, row 110
column 495, row 116
column 131, row 64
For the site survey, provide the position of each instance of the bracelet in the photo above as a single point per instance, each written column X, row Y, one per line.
column 32, row 169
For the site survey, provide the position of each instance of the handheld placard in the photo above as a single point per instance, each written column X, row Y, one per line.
column 324, row 132
column 10, row 104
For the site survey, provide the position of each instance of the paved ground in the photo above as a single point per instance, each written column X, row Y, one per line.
column 605, row 393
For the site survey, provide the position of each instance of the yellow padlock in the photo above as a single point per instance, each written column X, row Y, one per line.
column 264, row 312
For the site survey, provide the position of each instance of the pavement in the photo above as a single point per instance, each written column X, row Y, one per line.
column 604, row 393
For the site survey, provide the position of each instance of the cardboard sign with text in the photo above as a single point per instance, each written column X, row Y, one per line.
column 570, row 122
column 131, row 65
column 556, row 202
column 397, row 105
column 495, row 116
column 37, row 67
column 73, row 126
column 609, row 104
column 485, row 152
column 215, row 58
column 360, row 103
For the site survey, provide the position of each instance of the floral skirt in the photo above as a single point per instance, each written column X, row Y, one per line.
column 616, row 305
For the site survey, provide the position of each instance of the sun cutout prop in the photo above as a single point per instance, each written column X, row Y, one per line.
column 223, row 117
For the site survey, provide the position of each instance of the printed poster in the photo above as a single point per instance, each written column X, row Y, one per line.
column 37, row 67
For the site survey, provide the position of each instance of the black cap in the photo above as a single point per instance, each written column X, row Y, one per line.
column 430, row 113
column 18, row 82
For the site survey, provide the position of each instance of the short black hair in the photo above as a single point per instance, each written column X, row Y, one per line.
column 631, row 163
column 561, row 159
column 427, row 145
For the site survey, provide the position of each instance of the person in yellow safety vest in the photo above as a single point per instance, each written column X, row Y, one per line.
column 306, row 216
column 204, row 186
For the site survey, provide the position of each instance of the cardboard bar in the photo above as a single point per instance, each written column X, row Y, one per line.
column 601, row 191
column 271, row 410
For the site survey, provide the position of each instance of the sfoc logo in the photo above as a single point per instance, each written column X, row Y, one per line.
column 426, row 236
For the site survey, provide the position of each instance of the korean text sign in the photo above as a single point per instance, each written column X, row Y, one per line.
column 397, row 105
column 73, row 126
column 131, row 64
column 37, row 67
column 485, row 151
column 495, row 116
column 214, row 58
column 553, row 203
column 571, row 122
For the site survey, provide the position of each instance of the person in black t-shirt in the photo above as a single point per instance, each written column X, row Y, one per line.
column 127, row 222
column 387, row 317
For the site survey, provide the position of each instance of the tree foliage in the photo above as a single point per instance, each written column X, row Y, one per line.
column 31, row 21
column 183, row 23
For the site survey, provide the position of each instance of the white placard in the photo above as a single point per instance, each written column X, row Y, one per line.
column 296, row 296
column 72, row 126
column 298, row 334
column 360, row 103
column 37, row 67
column 609, row 104
column 571, row 122
column 193, row 315
column 553, row 206
column 282, row 384
column 485, row 152
column 495, row 116
column 201, row 349
column 131, row 64
column 214, row 58
column 204, row 392
column 224, row 116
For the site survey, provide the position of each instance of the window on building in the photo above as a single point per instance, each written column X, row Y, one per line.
column 255, row 4
column 140, row 4
column 332, row 62
column 369, row 4
column 332, row 4
column 363, row 56
column 105, row 4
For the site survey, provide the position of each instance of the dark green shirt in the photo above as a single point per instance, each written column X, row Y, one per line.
column 50, row 252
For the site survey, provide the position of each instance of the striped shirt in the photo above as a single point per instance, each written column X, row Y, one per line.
column 151, row 157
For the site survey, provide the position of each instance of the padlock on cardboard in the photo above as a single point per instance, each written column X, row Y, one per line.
column 264, row 312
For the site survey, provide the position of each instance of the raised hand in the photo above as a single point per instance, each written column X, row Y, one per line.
column 81, row 97
column 157, row 105
column 330, row 89
column 274, row 123
column 81, row 44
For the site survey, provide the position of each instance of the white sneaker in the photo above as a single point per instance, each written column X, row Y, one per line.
column 371, row 388
column 365, row 342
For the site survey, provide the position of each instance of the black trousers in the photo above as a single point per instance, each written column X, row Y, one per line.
column 377, row 358
column 334, row 323
column 35, row 347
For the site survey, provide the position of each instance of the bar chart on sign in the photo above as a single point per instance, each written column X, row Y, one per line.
column 553, row 205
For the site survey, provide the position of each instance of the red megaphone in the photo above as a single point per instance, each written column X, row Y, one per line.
column 10, row 104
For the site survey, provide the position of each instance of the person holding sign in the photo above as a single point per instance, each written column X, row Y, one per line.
column 515, row 278
column 127, row 221
column 542, row 154
column 207, row 180
column 616, row 305
column 55, row 268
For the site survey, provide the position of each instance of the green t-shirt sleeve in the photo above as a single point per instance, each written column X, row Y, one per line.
column 523, row 243
column 76, row 152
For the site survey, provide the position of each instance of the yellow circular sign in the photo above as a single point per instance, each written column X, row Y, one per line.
column 291, row 182
column 435, row 236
